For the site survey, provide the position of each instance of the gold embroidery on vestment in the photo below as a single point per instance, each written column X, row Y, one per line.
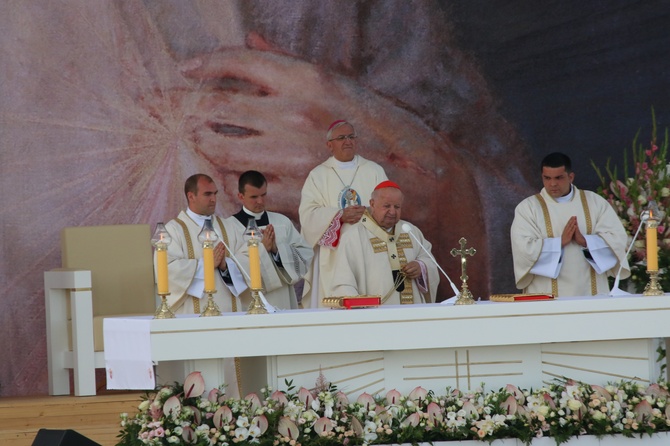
column 378, row 245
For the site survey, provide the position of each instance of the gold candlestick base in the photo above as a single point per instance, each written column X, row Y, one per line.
column 211, row 309
column 163, row 311
column 653, row 288
column 256, row 306
column 465, row 296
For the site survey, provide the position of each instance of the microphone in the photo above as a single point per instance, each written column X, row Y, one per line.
column 615, row 291
column 408, row 229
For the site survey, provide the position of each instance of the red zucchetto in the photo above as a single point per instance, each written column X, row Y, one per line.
column 387, row 183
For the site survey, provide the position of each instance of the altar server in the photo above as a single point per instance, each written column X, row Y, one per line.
column 377, row 257
column 566, row 241
column 285, row 255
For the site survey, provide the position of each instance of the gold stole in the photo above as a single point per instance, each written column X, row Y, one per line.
column 395, row 248
column 550, row 234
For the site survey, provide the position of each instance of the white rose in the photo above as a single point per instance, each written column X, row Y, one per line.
column 574, row 405
column 543, row 410
column 598, row 416
column 665, row 192
column 144, row 405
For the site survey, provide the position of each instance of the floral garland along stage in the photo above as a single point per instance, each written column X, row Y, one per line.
column 630, row 196
column 185, row 415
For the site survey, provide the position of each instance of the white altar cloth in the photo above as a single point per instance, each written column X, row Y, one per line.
column 593, row 339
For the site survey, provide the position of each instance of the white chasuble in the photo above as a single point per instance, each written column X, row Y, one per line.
column 327, row 190
column 538, row 224
column 366, row 259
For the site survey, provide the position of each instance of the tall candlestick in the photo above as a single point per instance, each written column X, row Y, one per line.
column 254, row 265
column 208, row 258
column 162, row 270
column 652, row 245
column 161, row 239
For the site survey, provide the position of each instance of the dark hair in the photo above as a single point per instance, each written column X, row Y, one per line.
column 557, row 159
column 191, row 184
column 252, row 177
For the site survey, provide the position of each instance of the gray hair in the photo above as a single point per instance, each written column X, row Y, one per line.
column 339, row 124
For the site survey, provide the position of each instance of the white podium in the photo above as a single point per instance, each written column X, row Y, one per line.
column 591, row 339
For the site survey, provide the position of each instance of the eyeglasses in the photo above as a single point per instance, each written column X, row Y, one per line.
column 343, row 137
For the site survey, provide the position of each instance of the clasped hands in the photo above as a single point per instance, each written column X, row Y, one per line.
column 571, row 233
column 269, row 241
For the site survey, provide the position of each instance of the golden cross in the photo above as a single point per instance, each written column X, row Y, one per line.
column 463, row 252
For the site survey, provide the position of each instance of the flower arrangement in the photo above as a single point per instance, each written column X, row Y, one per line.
column 648, row 180
column 186, row 415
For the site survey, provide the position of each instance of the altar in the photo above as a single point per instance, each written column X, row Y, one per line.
column 591, row 339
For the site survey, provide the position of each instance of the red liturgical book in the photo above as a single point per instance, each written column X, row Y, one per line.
column 350, row 302
column 519, row 297
column 360, row 302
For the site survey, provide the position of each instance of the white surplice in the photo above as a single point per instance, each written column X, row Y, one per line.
column 294, row 253
column 542, row 266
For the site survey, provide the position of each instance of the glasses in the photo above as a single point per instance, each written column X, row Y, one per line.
column 343, row 137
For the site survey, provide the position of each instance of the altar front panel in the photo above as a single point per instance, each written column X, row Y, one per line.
column 529, row 344
column 469, row 368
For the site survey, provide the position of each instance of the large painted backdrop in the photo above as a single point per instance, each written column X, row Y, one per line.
column 106, row 107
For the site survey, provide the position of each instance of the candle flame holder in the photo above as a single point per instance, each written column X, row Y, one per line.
column 163, row 311
column 211, row 309
column 256, row 306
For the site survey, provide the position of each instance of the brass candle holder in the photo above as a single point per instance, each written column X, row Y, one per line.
column 653, row 287
column 211, row 309
column 163, row 311
column 256, row 306
column 465, row 296
column 254, row 236
column 208, row 237
column 160, row 240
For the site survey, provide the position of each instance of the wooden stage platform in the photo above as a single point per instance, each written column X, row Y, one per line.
column 95, row 417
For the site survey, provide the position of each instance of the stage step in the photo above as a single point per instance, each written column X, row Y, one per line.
column 95, row 417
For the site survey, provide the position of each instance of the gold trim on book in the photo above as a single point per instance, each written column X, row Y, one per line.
column 338, row 302
column 512, row 297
